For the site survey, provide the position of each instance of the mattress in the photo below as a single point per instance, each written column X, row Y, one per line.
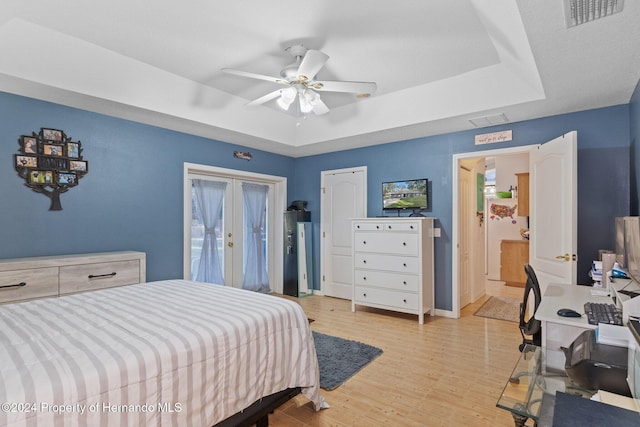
column 172, row 352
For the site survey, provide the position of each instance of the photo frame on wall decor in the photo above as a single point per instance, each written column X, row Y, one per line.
column 73, row 149
column 50, row 163
column 29, row 144
column 51, row 134
column 27, row 161
column 78, row 165
column 53, row 150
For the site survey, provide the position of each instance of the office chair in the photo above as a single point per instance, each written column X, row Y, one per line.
column 530, row 327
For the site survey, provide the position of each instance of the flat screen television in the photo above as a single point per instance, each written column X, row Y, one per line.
column 405, row 195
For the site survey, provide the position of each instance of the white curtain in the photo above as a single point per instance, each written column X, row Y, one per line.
column 255, row 277
column 208, row 201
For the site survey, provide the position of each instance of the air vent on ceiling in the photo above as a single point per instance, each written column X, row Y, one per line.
column 495, row 119
column 582, row 11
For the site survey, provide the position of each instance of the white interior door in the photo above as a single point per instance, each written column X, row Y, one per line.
column 553, row 210
column 343, row 198
column 465, row 210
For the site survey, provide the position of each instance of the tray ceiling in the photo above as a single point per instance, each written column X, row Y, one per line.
column 437, row 64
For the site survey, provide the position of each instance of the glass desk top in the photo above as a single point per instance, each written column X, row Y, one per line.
column 529, row 381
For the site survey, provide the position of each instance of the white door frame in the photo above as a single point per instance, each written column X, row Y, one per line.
column 323, row 256
column 455, row 217
column 280, row 184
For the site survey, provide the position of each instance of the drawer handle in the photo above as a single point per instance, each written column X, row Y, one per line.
column 364, row 295
column 364, row 261
column 389, row 227
column 97, row 276
column 411, row 227
column 364, row 278
column 404, row 300
column 404, row 282
column 16, row 285
column 404, row 243
column 357, row 226
column 364, row 242
column 404, row 264
column 377, row 227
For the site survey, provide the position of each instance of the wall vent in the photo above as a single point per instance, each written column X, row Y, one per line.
column 496, row 119
column 582, row 11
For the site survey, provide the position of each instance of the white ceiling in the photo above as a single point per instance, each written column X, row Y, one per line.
column 437, row 64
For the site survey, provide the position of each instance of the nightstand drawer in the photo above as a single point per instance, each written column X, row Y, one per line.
column 86, row 277
column 401, row 300
column 16, row 285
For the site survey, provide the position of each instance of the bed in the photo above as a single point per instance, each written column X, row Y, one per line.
column 172, row 352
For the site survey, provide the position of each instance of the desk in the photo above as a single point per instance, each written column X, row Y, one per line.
column 560, row 331
column 529, row 382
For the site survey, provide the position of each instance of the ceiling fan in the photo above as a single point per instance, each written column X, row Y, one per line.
column 298, row 79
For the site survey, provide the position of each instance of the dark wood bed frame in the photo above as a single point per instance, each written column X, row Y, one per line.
column 258, row 413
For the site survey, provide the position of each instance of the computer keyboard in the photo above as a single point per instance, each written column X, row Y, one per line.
column 598, row 312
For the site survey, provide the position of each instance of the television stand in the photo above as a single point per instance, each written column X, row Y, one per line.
column 416, row 213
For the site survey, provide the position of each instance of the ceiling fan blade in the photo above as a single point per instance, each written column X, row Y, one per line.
column 312, row 62
column 320, row 108
column 352, row 87
column 254, row 75
column 266, row 98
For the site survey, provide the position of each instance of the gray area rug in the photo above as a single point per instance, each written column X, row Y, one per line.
column 340, row 359
column 500, row 308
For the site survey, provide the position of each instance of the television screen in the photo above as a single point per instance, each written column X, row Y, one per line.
column 410, row 194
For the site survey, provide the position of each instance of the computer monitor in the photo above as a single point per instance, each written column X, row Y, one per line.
column 620, row 248
column 632, row 246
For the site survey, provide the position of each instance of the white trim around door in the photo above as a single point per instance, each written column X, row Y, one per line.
column 455, row 218
column 192, row 170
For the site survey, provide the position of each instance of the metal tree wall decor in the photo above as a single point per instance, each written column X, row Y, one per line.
column 50, row 163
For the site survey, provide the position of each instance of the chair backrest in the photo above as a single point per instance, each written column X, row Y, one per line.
column 532, row 325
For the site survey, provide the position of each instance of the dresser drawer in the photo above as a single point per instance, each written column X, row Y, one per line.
column 401, row 282
column 368, row 226
column 86, row 277
column 391, row 243
column 401, row 264
column 406, row 227
column 394, row 299
column 16, row 285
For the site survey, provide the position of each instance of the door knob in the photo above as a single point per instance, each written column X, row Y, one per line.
column 565, row 257
column 230, row 244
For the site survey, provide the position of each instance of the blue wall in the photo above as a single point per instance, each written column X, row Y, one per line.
column 603, row 151
column 132, row 197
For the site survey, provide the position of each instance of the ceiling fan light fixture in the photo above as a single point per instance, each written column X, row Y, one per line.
column 287, row 96
column 305, row 105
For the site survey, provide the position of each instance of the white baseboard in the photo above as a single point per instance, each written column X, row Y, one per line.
column 445, row 313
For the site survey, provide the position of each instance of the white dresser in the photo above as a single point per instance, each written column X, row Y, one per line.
column 393, row 264
column 51, row 276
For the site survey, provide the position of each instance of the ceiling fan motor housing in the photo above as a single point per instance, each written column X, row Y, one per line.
column 290, row 71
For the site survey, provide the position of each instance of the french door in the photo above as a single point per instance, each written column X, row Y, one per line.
column 230, row 229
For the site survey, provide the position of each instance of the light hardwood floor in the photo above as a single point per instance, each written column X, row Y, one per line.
column 447, row 372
